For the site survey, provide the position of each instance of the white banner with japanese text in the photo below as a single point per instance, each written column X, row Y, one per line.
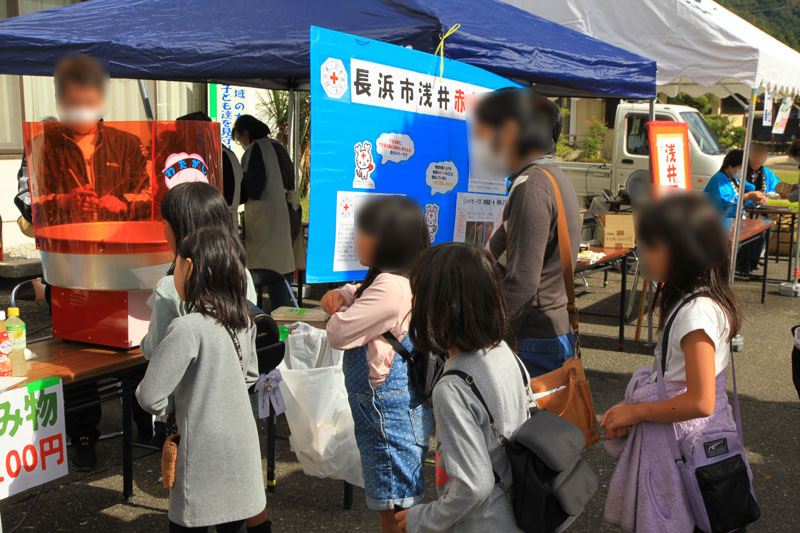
column 32, row 443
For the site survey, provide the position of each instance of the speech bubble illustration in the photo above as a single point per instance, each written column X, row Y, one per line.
column 441, row 176
column 396, row 147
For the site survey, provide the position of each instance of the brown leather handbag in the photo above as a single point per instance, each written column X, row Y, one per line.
column 571, row 398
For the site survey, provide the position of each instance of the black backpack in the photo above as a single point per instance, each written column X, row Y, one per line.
column 551, row 483
column 424, row 369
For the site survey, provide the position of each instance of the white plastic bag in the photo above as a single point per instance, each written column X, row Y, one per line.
column 307, row 347
column 317, row 410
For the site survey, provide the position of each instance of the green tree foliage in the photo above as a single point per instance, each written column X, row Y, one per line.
column 729, row 136
column 273, row 108
column 592, row 150
column 779, row 18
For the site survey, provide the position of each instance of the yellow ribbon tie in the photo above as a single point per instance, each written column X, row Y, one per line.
column 440, row 48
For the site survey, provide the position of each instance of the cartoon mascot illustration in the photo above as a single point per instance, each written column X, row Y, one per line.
column 183, row 168
column 432, row 220
column 364, row 166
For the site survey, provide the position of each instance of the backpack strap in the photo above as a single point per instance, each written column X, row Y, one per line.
column 471, row 383
column 398, row 346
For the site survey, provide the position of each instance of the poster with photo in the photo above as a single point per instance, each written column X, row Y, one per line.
column 477, row 217
column 383, row 121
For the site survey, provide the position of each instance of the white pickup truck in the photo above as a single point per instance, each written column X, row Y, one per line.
column 631, row 150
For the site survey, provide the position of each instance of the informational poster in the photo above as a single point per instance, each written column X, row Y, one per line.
column 226, row 103
column 766, row 119
column 669, row 144
column 33, row 448
column 477, row 217
column 383, row 121
column 782, row 117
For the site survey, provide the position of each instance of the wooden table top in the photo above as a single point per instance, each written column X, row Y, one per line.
column 752, row 227
column 772, row 210
column 316, row 323
column 74, row 361
column 611, row 254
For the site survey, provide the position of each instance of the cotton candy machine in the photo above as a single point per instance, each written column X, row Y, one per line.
column 96, row 200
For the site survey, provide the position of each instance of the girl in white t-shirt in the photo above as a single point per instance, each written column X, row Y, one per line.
column 684, row 245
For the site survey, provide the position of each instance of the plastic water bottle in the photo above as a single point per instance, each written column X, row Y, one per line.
column 5, row 347
column 17, row 332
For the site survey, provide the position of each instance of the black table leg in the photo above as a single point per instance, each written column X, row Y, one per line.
column 778, row 225
column 271, row 452
column 766, row 264
column 301, row 281
column 127, row 448
column 791, row 247
column 348, row 496
column 623, row 289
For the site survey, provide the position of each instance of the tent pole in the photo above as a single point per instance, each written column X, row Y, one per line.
column 148, row 110
column 652, row 110
column 742, row 180
column 735, row 97
column 290, row 123
column 296, row 141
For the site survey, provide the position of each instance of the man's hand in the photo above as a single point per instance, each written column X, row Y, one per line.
column 111, row 204
column 79, row 198
column 332, row 301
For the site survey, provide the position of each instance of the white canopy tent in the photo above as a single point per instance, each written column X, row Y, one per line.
column 699, row 46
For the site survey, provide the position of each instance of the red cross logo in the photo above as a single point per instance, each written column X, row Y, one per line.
column 334, row 78
column 346, row 207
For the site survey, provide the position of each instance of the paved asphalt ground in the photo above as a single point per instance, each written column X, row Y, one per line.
column 770, row 409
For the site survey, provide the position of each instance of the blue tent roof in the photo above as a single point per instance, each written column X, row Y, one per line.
column 266, row 44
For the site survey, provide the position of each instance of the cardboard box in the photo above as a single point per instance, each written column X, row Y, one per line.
column 616, row 230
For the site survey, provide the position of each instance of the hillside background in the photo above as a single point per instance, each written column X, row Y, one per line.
column 779, row 18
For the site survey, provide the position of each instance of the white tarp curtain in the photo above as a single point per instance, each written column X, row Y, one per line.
column 699, row 46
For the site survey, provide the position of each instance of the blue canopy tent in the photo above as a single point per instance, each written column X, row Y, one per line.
column 266, row 44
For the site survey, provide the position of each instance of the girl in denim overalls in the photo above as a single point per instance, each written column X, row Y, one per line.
column 393, row 421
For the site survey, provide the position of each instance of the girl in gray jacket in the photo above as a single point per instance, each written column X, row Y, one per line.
column 458, row 309
column 201, row 371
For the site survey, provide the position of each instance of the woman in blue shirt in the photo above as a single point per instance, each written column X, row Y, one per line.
column 723, row 190
column 723, row 187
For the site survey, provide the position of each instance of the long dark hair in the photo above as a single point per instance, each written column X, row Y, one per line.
column 254, row 127
column 699, row 252
column 538, row 118
column 398, row 226
column 217, row 286
column 189, row 206
column 457, row 300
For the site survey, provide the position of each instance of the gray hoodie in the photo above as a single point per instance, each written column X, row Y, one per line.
column 469, row 500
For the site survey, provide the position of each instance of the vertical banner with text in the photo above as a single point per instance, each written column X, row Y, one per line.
column 670, row 155
column 33, row 449
column 383, row 121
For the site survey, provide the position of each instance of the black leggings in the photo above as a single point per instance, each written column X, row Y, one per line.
column 231, row 527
